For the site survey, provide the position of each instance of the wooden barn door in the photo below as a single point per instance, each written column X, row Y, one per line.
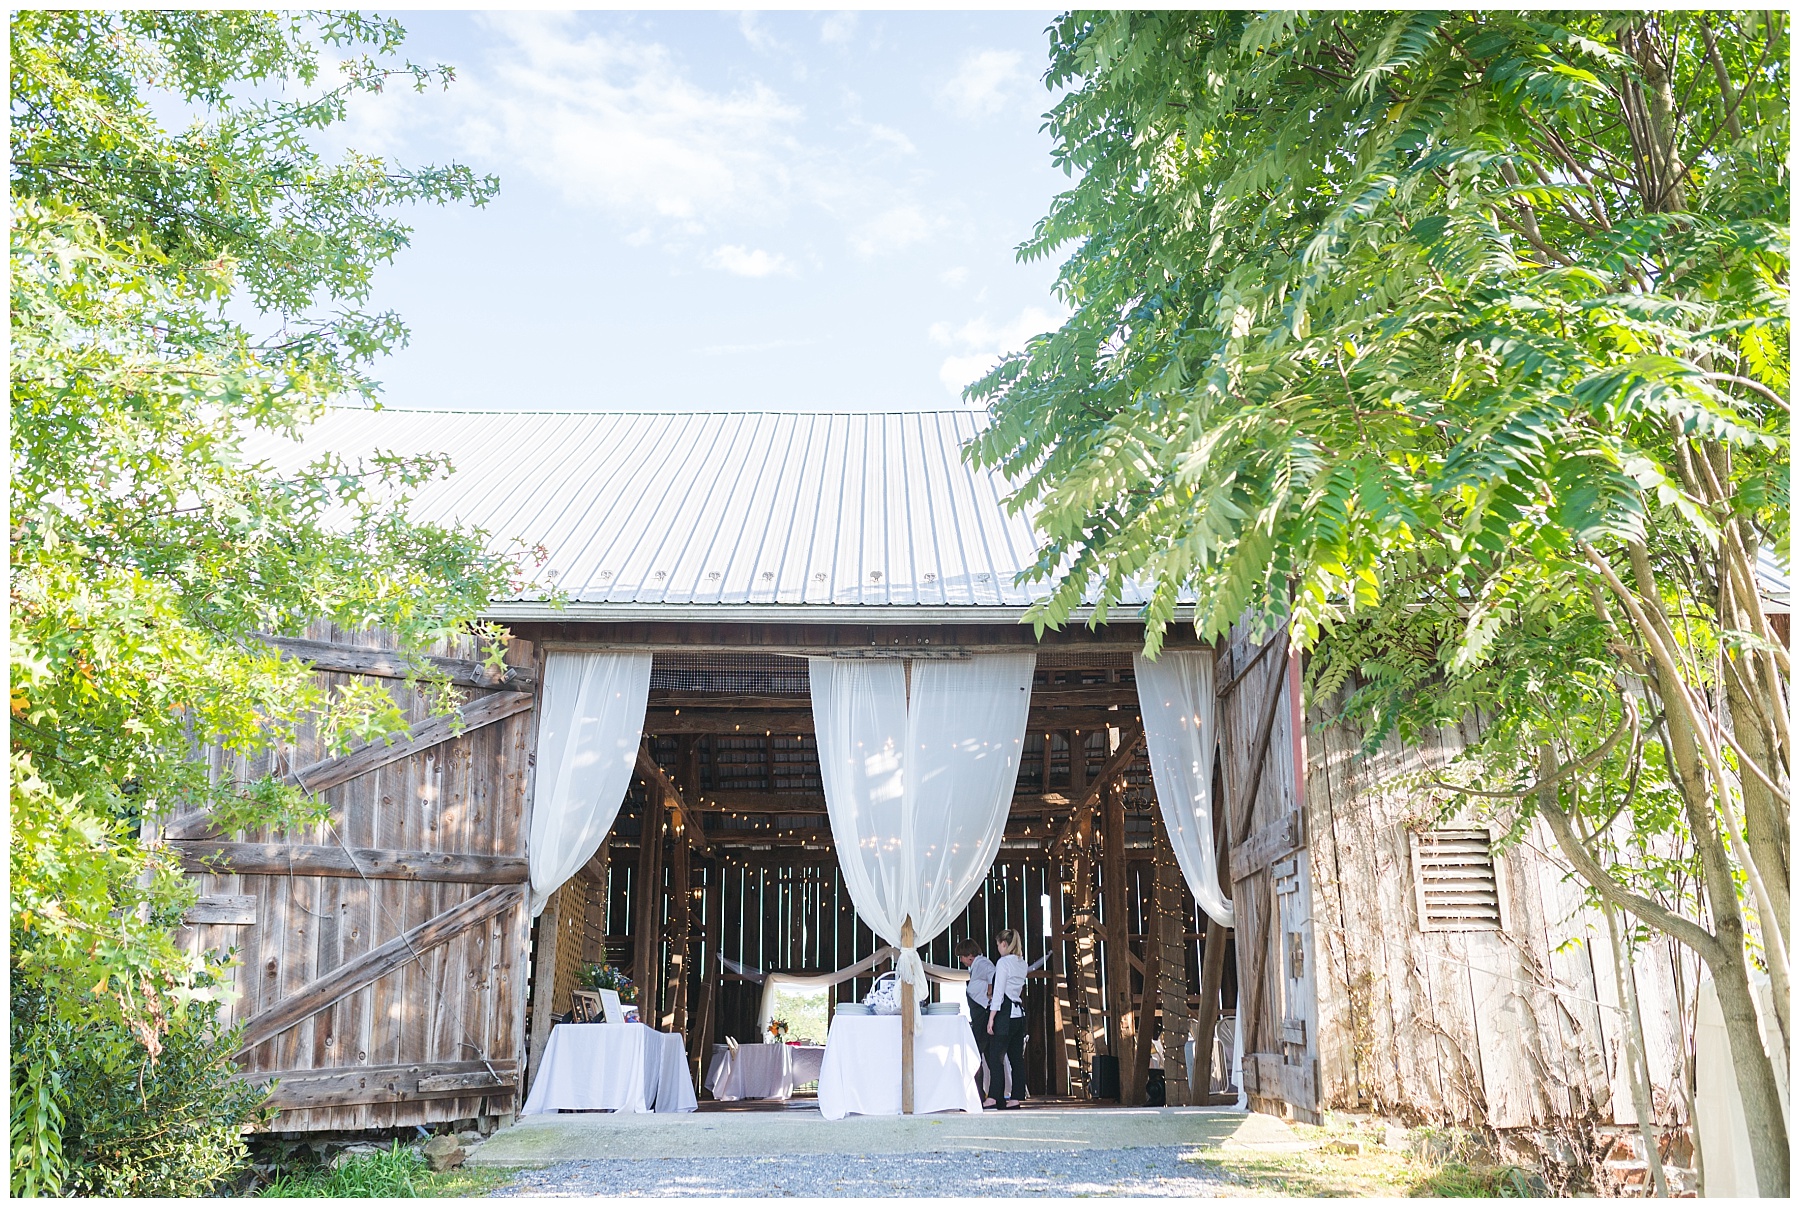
column 382, row 953
column 1260, row 738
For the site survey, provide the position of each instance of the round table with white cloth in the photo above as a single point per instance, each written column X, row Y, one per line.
column 861, row 1072
column 762, row 1071
column 624, row 1067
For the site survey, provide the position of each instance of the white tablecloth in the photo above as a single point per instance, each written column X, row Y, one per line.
column 762, row 1071
column 861, row 1071
column 624, row 1067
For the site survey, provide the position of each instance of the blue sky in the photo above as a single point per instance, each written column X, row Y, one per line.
column 719, row 210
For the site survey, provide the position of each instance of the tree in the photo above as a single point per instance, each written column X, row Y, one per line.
column 1459, row 341
column 146, row 553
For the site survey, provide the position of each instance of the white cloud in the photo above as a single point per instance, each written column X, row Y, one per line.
column 980, row 343
column 750, row 25
column 892, row 230
column 716, row 350
column 618, row 125
column 984, row 82
column 954, row 276
column 749, row 262
column 838, row 28
column 890, row 136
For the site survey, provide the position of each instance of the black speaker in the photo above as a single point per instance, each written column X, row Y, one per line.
column 1156, row 1089
column 1103, row 1081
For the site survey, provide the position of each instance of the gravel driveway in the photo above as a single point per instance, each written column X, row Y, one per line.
column 1149, row 1171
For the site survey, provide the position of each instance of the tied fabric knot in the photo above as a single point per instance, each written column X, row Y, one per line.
column 911, row 971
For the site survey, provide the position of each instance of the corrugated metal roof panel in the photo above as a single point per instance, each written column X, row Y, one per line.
column 685, row 509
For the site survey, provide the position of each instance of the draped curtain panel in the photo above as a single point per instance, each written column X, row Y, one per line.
column 591, row 724
column 918, row 789
column 1175, row 697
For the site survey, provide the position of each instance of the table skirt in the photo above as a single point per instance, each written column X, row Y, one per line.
column 611, row 1067
column 762, row 1071
column 861, row 1071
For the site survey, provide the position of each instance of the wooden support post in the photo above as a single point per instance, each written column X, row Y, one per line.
column 647, row 925
column 1122, row 1024
column 1169, row 936
column 1212, row 977
column 1140, row 1057
column 681, row 935
column 908, row 1024
column 543, row 997
column 1090, row 1018
column 700, row 1039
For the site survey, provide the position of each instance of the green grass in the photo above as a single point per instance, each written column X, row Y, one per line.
column 1376, row 1171
column 396, row 1173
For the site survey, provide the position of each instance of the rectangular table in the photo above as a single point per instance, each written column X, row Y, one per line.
column 861, row 1071
column 624, row 1067
column 762, row 1071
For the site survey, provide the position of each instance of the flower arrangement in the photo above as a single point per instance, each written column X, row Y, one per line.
column 609, row 977
column 778, row 1028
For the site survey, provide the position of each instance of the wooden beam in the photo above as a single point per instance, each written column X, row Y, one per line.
column 802, row 804
column 374, row 863
column 908, row 1024
column 392, row 664
column 352, row 976
column 799, row 722
column 304, row 1090
column 683, row 822
column 1171, row 989
column 1056, row 695
column 1122, row 1022
column 1270, row 843
column 646, row 929
column 1114, row 766
column 1230, row 685
column 1212, row 977
column 1259, row 757
column 1114, row 642
column 674, row 1017
column 402, row 744
column 222, row 910
column 1140, row 1063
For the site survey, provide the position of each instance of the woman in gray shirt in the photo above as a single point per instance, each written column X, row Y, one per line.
column 981, row 985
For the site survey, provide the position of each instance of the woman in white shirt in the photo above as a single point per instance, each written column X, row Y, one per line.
column 1006, row 1018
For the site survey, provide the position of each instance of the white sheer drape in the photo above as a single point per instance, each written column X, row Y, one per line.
column 1175, row 698
column 588, row 736
column 918, row 789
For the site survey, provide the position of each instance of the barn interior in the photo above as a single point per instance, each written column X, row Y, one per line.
column 721, row 867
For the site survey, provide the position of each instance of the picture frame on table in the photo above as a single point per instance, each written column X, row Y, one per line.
column 614, row 1010
column 586, row 1007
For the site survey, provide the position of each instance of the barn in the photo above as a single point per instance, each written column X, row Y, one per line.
column 401, row 963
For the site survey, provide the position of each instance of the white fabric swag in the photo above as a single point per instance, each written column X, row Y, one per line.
column 1175, row 698
column 773, row 982
column 918, row 785
column 591, row 724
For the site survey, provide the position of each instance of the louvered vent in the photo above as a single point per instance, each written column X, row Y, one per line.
column 1457, row 884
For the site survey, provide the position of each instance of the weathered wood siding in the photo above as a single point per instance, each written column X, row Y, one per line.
column 1262, row 746
column 448, row 1019
column 1511, row 1028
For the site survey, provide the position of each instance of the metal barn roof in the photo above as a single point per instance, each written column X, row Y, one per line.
column 739, row 515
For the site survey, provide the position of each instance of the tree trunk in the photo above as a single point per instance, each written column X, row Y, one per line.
column 1765, row 820
column 1752, row 1063
column 1637, row 1058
